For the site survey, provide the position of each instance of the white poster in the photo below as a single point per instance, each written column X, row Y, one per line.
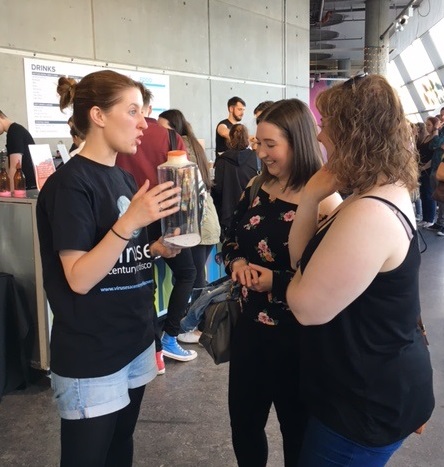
column 45, row 120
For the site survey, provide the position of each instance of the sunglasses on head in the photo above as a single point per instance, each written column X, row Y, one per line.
column 352, row 81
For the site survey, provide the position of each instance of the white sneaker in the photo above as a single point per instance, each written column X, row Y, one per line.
column 425, row 224
column 191, row 337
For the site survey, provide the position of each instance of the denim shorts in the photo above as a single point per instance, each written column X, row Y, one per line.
column 78, row 398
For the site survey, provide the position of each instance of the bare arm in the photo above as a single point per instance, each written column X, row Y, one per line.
column 365, row 239
column 318, row 197
column 84, row 269
column 223, row 131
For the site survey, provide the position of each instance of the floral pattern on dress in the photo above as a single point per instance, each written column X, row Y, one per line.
column 256, row 202
column 287, row 216
column 263, row 318
column 253, row 222
column 264, row 251
column 259, row 233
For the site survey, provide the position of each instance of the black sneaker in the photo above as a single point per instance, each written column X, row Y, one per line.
column 435, row 227
column 440, row 232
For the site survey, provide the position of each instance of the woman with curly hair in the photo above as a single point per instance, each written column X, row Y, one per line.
column 365, row 368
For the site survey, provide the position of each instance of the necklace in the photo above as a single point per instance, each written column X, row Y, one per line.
column 281, row 185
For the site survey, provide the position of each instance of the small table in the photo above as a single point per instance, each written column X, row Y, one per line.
column 16, row 336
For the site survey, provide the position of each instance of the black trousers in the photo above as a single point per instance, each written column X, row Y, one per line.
column 264, row 370
column 200, row 255
column 184, row 275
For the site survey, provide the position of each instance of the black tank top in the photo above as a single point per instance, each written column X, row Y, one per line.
column 221, row 143
column 367, row 374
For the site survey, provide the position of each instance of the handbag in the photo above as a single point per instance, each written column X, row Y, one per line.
column 438, row 194
column 219, row 322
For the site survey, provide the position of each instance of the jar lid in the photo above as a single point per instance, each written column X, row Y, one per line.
column 177, row 153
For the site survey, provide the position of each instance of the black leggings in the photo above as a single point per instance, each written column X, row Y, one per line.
column 264, row 370
column 200, row 255
column 184, row 275
column 102, row 441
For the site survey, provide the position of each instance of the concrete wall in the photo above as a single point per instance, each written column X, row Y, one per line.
column 257, row 49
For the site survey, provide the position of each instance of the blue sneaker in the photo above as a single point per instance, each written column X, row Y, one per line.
column 172, row 349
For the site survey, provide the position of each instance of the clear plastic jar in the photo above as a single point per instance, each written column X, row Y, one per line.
column 182, row 228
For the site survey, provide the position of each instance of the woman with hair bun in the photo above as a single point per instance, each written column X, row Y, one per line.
column 97, row 272
column 366, row 375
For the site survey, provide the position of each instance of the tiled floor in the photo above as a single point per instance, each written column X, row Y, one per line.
column 184, row 420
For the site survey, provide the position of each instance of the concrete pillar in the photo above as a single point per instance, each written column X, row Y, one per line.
column 344, row 64
column 376, row 51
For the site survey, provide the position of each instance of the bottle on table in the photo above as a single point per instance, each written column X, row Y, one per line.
column 5, row 183
column 182, row 228
column 19, row 182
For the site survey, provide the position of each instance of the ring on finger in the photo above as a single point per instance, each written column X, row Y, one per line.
column 160, row 207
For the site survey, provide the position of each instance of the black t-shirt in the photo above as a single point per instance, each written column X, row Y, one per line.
column 17, row 140
column 221, row 142
column 98, row 333
column 366, row 374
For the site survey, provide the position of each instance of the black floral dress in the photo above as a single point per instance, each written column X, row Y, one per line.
column 265, row 345
column 259, row 232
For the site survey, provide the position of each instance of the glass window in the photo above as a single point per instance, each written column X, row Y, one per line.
column 430, row 90
column 414, row 118
column 407, row 101
column 393, row 75
column 416, row 60
column 436, row 33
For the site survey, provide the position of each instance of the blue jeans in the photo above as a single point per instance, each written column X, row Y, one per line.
column 322, row 447
column 211, row 294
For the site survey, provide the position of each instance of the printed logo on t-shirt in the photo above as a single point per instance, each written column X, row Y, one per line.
column 134, row 259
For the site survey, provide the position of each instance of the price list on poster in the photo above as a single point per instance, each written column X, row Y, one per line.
column 45, row 120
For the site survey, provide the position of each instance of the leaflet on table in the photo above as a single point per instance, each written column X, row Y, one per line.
column 43, row 162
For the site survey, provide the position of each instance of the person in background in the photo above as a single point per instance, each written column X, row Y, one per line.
column 78, row 141
column 97, row 270
column 264, row 361
column 433, row 125
column 155, row 144
column 441, row 118
column 232, row 172
column 236, row 109
column 71, row 126
column 18, row 140
column 424, row 135
column 259, row 109
column 366, row 375
column 210, row 228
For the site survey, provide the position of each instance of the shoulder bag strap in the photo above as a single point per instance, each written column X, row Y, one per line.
column 172, row 137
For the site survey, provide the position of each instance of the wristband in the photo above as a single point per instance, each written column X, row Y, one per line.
column 120, row 236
